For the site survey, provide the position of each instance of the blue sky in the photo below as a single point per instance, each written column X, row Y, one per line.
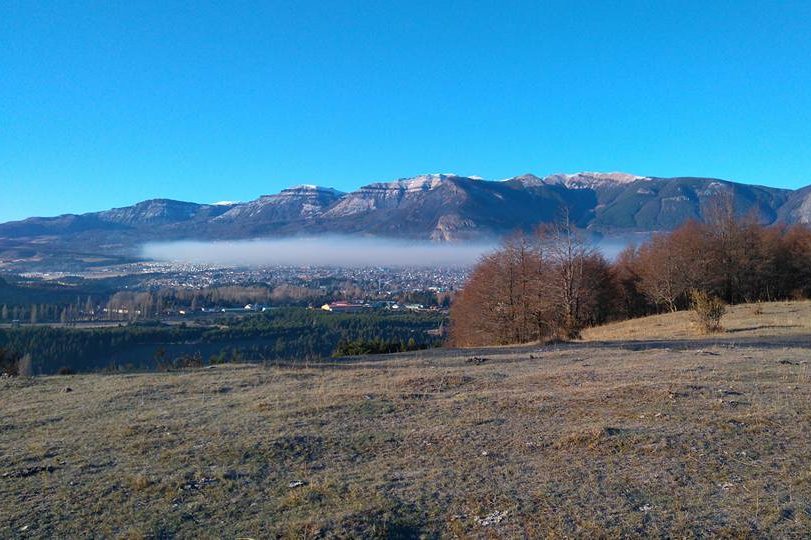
column 107, row 103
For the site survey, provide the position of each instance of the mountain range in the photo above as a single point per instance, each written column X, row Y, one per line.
column 436, row 207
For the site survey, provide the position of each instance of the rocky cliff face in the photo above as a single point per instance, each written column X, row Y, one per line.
column 296, row 203
column 388, row 195
column 797, row 208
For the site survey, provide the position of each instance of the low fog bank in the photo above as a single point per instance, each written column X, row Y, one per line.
column 612, row 246
column 350, row 251
column 320, row 251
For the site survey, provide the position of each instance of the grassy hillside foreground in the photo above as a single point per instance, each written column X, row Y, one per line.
column 743, row 321
column 579, row 440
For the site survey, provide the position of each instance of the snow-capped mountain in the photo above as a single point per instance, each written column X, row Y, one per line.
column 439, row 207
column 299, row 202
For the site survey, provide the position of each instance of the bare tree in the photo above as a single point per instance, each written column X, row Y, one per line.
column 566, row 254
column 549, row 284
column 663, row 272
column 25, row 366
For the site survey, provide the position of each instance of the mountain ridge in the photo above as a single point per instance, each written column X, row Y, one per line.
column 439, row 207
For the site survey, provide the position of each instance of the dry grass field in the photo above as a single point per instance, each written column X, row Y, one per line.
column 580, row 440
column 765, row 319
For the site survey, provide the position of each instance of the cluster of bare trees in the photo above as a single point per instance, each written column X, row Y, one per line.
column 212, row 296
column 738, row 261
column 551, row 285
column 131, row 305
column 35, row 313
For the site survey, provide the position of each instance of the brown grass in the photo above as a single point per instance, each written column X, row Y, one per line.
column 580, row 441
column 745, row 320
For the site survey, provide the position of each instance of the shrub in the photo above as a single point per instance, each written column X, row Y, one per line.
column 190, row 361
column 9, row 363
column 708, row 310
column 25, row 367
column 64, row 370
column 140, row 482
column 187, row 361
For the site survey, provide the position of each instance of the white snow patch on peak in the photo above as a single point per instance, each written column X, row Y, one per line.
column 428, row 181
column 225, row 203
column 592, row 179
column 527, row 179
column 309, row 187
column 620, row 177
column 430, row 176
column 423, row 182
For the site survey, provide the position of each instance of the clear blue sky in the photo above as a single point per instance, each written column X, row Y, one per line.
column 107, row 103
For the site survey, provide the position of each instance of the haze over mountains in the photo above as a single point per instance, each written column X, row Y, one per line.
column 432, row 207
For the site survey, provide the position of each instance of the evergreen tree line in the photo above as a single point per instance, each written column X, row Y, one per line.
column 377, row 346
column 284, row 334
column 551, row 284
